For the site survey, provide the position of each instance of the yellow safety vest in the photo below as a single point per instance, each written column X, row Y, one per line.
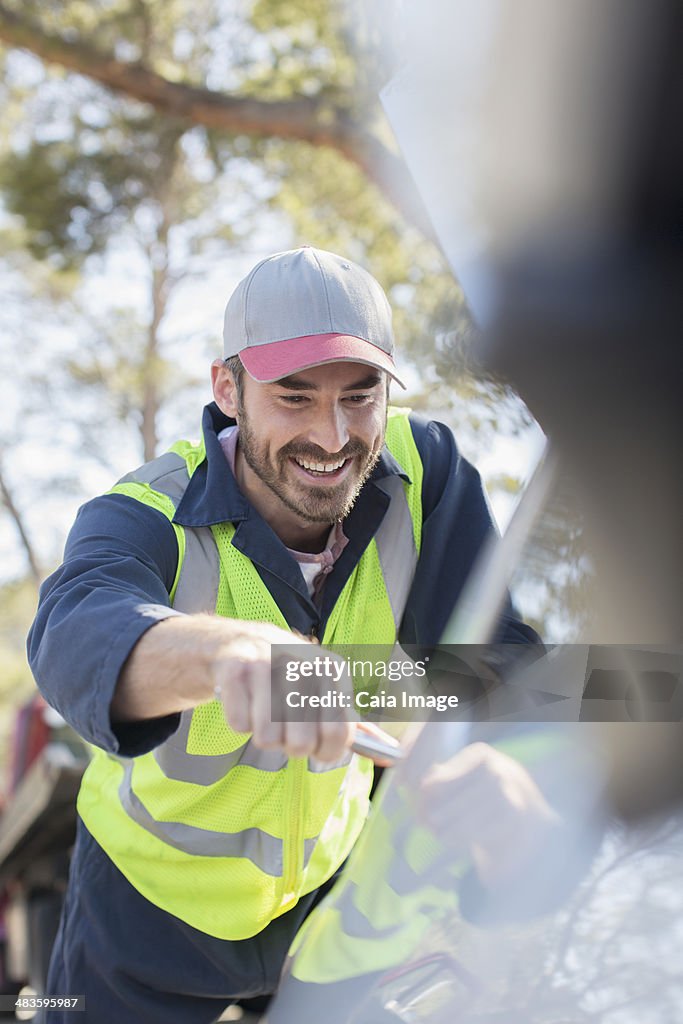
column 399, row 883
column 207, row 826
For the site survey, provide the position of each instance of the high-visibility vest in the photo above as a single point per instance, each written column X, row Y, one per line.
column 401, row 880
column 207, row 826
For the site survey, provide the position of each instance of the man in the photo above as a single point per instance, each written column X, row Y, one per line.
column 205, row 834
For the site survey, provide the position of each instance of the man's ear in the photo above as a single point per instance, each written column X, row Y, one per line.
column 224, row 390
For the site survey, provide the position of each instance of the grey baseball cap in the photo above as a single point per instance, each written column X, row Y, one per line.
column 305, row 307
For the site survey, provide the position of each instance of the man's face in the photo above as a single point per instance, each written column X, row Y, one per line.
column 311, row 440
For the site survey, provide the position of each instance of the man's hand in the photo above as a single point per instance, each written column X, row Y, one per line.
column 485, row 804
column 243, row 677
column 186, row 660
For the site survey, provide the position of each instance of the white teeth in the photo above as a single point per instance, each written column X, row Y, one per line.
column 319, row 467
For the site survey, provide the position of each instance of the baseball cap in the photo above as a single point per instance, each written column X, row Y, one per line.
column 305, row 307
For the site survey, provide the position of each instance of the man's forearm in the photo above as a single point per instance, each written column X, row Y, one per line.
column 170, row 669
column 186, row 660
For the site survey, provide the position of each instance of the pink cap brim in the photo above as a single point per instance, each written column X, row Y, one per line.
column 268, row 363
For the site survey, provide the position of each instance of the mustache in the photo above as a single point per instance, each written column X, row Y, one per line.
column 314, row 454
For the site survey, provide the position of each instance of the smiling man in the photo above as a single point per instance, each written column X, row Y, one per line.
column 310, row 508
column 321, row 435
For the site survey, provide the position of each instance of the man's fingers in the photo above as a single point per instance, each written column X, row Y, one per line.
column 333, row 740
column 253, row 695
column 486, row 801
column 266, row 733
column 324, row 741
column 300, row 738
column 476, row 761
column 232, row 680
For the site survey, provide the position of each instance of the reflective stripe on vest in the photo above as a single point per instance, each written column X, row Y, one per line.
column 179, row 794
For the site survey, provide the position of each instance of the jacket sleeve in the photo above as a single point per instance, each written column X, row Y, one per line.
column 456, row 523
column 119, row 564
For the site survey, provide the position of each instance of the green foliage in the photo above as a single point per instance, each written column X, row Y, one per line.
column 331, row 204
column 134, row 30
column 303, row 48
column 74, row 194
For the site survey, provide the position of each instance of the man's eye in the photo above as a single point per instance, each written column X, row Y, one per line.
column 293, row 399
column 358, row 399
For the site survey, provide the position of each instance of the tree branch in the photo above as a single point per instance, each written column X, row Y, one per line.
column 305, row 119
column 15, row 515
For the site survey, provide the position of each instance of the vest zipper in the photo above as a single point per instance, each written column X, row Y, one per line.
column 293, row 842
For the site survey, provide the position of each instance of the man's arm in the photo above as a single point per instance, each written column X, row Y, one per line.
column 192, row 659
column 180, row 664
column 120, row 665
column 112, row 587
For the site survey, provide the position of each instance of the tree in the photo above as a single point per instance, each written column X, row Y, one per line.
column 133, row 54
column 82, row 167
column 171, row 133
column 17, row 518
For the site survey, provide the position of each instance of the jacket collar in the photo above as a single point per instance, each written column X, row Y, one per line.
column 213, row 495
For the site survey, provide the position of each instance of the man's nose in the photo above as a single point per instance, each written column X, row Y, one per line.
column 328, row 429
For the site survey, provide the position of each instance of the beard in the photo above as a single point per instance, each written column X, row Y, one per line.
column 310, row 503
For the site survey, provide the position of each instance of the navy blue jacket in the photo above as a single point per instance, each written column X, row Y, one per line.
column 119, row 565
column 121, row 557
